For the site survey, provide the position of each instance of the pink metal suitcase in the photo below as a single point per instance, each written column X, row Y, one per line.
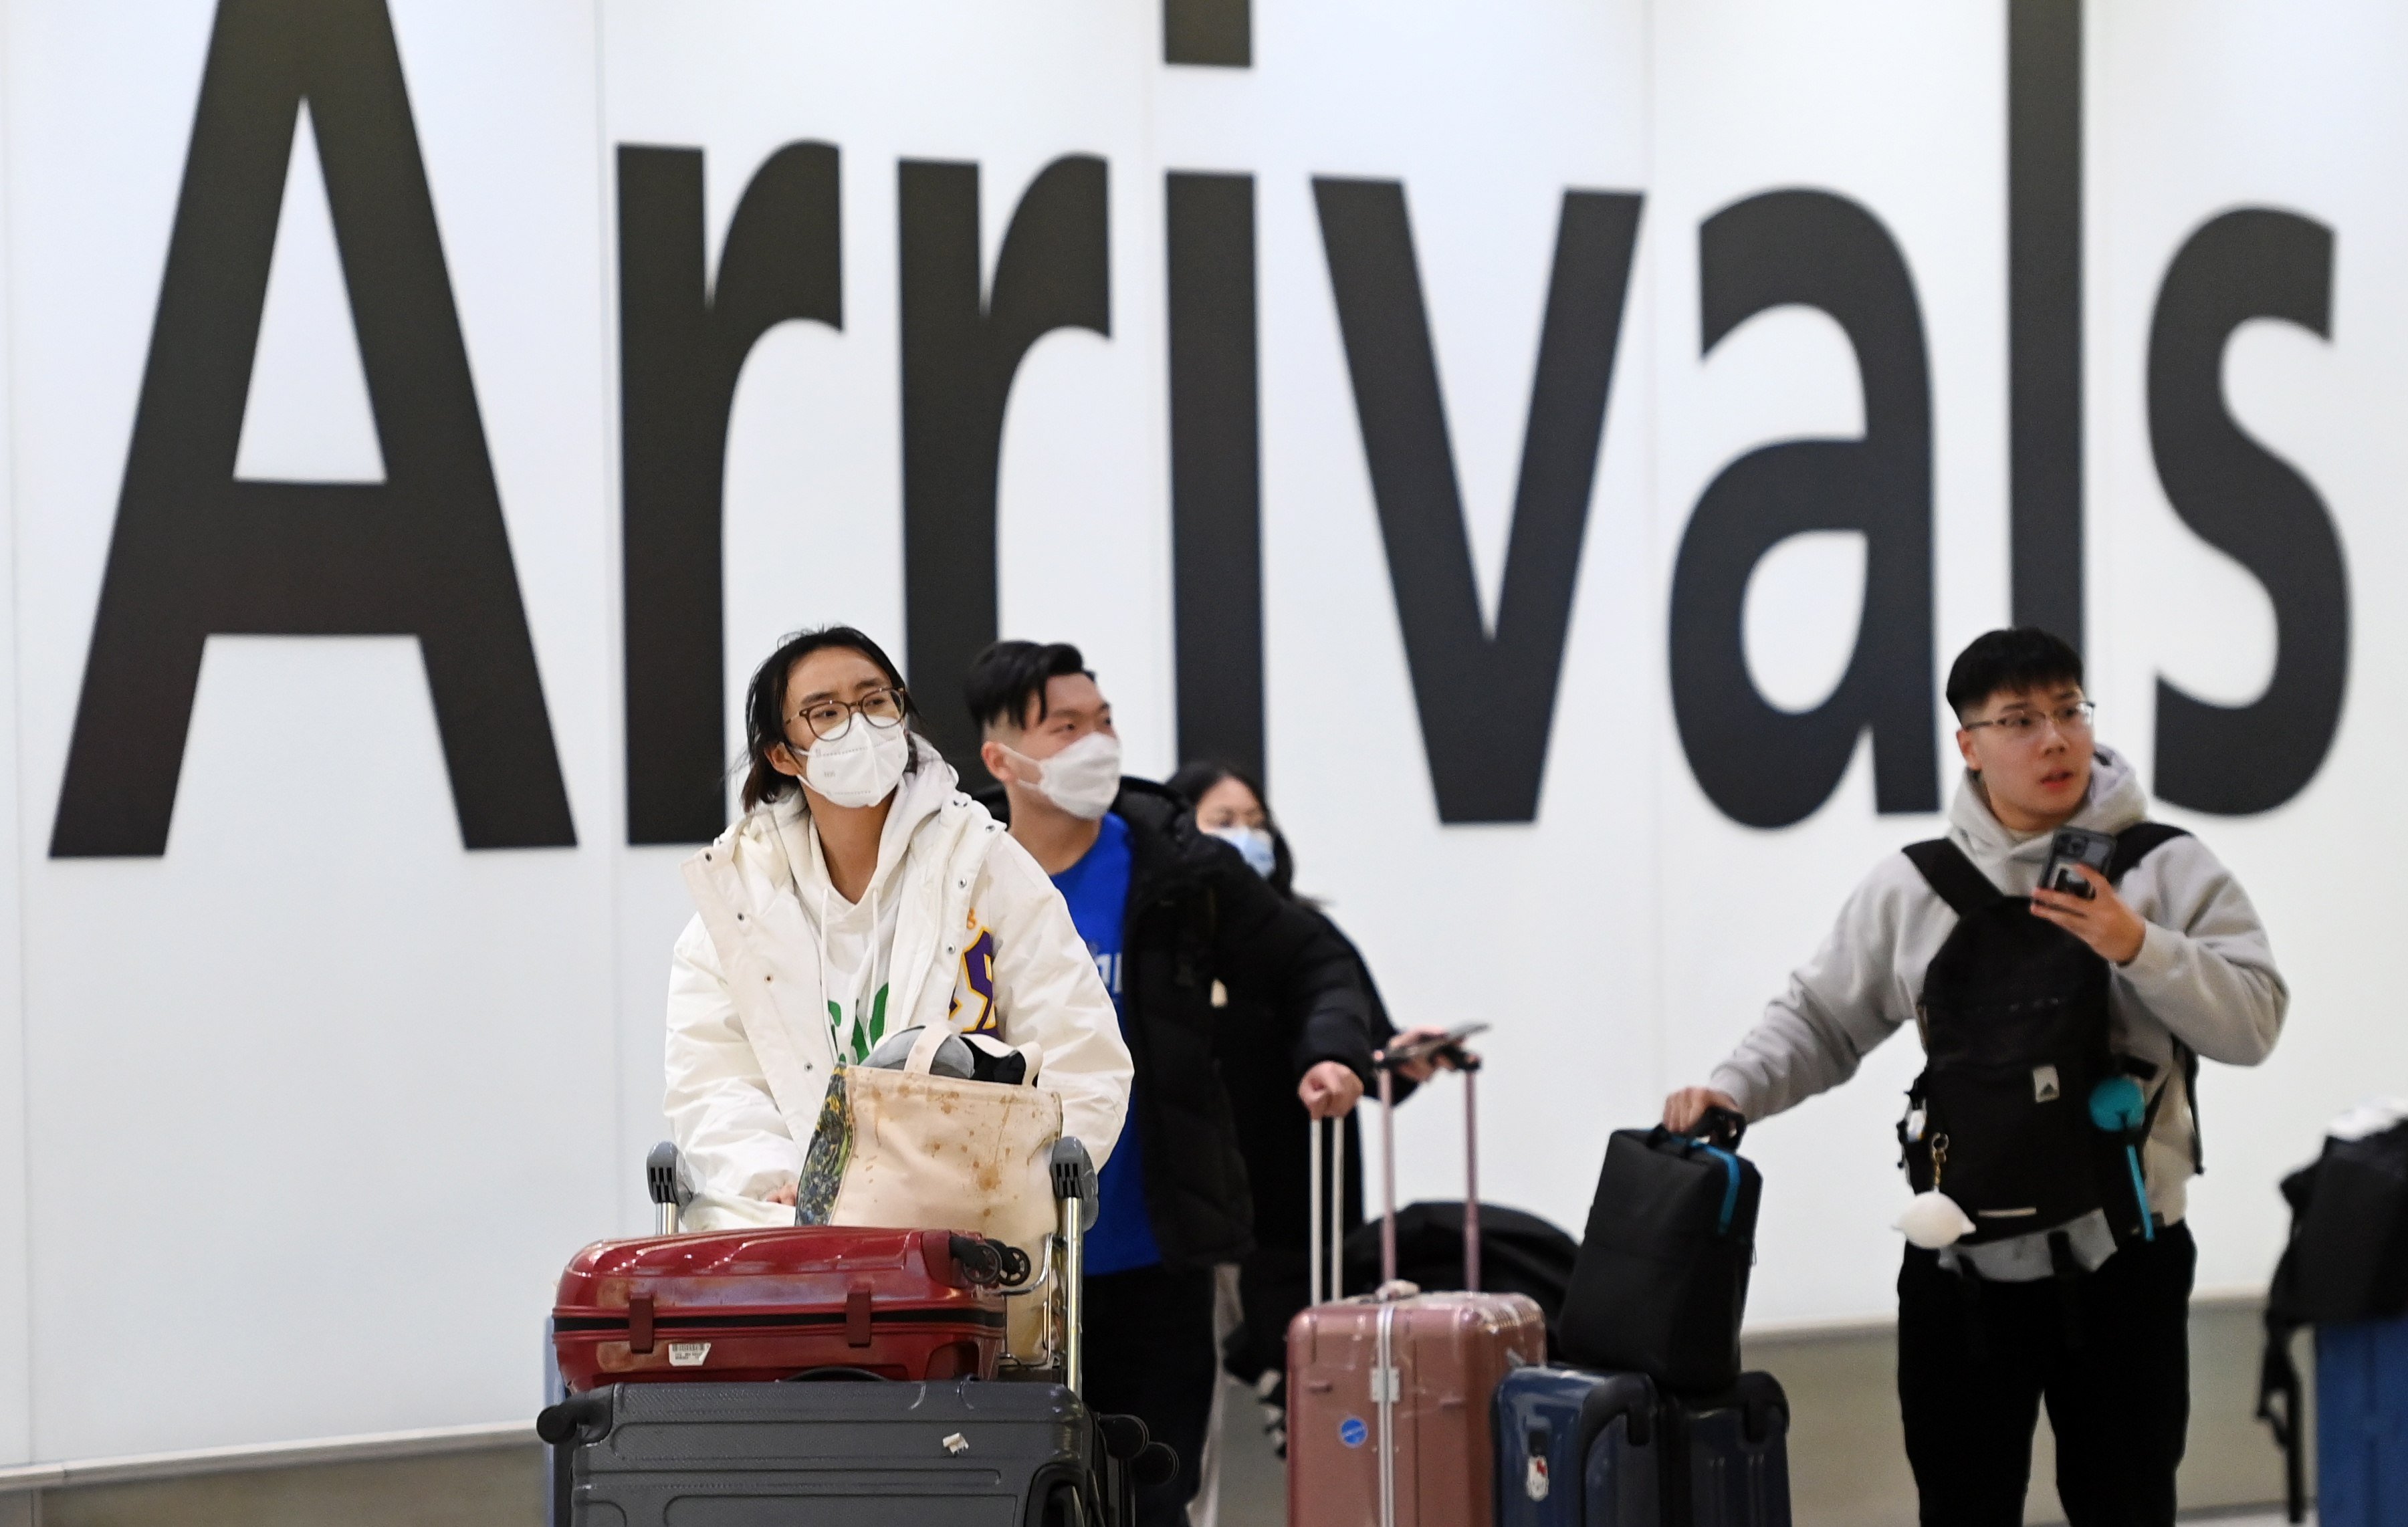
column 1388, row 1393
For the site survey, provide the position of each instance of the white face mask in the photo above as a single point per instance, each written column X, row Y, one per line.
column 1254, row 844
column 859, row 767
column 1083, row 779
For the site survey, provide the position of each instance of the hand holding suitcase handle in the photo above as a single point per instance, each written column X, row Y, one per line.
column 1720, row 1127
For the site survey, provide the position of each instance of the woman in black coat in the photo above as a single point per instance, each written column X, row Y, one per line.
column 1274, row 1131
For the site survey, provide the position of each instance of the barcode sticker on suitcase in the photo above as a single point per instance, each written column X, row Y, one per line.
column 689, row 1354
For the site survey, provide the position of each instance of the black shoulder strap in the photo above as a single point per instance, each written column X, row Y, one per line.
column 2137, row 842
column 2133, row 845
column 2189, row 1059
column 1960, row 884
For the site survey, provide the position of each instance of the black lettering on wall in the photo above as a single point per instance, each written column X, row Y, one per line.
column 1207, row 32
column 1215, row 470
column 959, row 356
column 2250, row 504
column 197, row 552
column 2045, row 312
column 1759, row 765
column 683, row 343
column 1490, row 773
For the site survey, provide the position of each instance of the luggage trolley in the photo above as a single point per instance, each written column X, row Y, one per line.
column 843, row 1443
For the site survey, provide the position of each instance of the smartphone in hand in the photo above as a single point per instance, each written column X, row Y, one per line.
column 2073, row 845
column 1437, row 1044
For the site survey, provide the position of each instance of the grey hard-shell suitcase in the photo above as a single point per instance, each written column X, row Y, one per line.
column 833, row 1454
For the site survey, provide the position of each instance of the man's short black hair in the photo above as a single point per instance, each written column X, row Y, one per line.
column 2015, row 659
column 1007, row 676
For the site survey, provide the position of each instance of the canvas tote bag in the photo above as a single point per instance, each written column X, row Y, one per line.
column 908, row 1149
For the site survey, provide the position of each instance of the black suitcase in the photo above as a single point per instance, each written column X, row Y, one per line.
column 1661, row 1279
column 1726, row 1457
column 873, row 1453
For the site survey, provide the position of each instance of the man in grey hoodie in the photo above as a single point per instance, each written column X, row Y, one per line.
column 1987, row 1330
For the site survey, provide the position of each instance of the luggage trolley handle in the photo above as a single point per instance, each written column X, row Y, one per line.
column 1074, row 1189
column 670, row 1185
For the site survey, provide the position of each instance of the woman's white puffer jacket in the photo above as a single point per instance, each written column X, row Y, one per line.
column 983, row 943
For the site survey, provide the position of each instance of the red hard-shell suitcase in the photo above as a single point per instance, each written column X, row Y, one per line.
column 1389, row 1393
column 745, row 1304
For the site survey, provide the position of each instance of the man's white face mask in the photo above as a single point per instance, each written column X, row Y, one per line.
column 860, row 765
column 1083, row 779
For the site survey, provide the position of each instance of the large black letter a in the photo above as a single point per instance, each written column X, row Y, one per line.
column 1759, row 765
column 197, row 552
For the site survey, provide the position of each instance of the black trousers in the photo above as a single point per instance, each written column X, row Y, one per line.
column 2110, row 1352
column 1150, row 1355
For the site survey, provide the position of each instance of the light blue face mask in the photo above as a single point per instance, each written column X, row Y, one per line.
column 1253, row 845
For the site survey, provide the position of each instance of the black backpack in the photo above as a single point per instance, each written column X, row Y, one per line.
column 2014, row 1018
column 1519, row 1253
column 2346, row 1259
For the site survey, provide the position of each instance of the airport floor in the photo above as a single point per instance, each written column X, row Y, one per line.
column 1847, row 1463
column 1252, row 1485
column 1847, row 1468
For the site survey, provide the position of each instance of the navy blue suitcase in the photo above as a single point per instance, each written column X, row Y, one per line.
column 1576, row 1449
column 2362, row 1422
column 1727, row 1458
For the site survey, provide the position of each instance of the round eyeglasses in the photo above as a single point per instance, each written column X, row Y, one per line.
column 831, row 719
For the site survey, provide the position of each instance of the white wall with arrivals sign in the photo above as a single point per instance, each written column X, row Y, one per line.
column 1417, row 397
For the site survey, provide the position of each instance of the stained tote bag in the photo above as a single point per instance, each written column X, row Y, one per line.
column 910, row 1149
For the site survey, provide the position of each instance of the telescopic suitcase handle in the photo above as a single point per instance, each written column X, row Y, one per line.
column 1448, row 1047
column 1327, row 1238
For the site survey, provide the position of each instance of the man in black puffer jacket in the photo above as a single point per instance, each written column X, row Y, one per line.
column 1176, row 921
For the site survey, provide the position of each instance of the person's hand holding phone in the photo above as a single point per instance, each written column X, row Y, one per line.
column 2103, row 919
column 1421, row 1068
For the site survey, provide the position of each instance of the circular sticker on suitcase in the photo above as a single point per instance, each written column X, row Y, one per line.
column 1352, row 1433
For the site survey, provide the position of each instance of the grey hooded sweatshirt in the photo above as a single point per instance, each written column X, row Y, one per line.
column 2205, row 975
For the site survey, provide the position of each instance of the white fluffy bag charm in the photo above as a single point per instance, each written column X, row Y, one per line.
column 1933, row 1220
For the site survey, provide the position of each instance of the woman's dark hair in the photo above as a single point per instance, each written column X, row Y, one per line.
column 764, row 706
column 2018, row 659
column 1193, row 781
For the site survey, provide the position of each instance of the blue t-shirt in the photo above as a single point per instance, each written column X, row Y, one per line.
column 1097, row 888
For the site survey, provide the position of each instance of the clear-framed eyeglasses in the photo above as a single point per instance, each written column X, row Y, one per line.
column 830, row 720
column 2073, row 720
